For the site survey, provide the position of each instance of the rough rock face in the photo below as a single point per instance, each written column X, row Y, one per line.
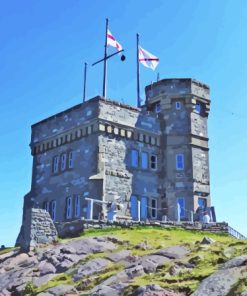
column 103, row 266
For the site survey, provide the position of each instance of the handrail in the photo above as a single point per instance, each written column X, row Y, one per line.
column 235, row 233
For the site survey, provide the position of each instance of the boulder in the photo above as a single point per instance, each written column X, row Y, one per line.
column 102, row 290
column 46, row 267
column 62, row 290
column 151, row 290
column 91, row 267
column 116, row 257
column 43, row 279
column 207, row 241
column 235, row 262
column 151, row 262
column 221, row 282
column 174, row 252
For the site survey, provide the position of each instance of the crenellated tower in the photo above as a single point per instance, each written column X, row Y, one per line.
column 183, row 106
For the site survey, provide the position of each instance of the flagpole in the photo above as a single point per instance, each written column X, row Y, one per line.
column 85, row 81
column 105, row 60
column 138, row 70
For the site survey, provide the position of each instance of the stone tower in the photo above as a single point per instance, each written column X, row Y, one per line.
column 183, row 107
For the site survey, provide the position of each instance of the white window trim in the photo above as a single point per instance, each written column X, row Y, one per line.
column 53, row 210
column 63, row 161
column 182, row 216
column 56, row 164
column 177, row 167
column 154, row 208
column 46, row 206
column 69, row 207
column 77, row 206
column 156, row 162
column 178, row 105
column 71, row 159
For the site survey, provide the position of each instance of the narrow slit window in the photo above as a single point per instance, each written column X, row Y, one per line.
column 63, row 161
column 153, row 162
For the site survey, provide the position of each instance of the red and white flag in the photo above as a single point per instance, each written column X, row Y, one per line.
column 112, row 41
column 147, row 59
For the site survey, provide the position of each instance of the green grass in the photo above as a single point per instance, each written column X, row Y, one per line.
column 7, row 250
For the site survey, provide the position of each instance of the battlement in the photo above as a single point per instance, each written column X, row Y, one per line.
column 176, row 87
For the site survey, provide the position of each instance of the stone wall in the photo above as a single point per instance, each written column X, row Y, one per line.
column 37, row 228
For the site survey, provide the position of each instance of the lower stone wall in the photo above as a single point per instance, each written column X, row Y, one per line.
column 37, row 228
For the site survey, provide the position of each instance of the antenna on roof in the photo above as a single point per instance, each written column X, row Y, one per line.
column 85, row 81
column 158, row 76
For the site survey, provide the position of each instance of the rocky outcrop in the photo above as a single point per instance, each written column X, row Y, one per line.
column 109, row 265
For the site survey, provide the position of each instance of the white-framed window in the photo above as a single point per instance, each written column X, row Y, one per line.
column 179, row 161
column 144, row 160
column 46, row 206
column 157, row 107
column 69, row 207
column 55, row 164
column 181, row 203
column 178, row 105
column 77, row 205
column 63, row 161
column 53, row 210
column 71, row 159
column 153, row 208
column 134, row 158
column 153, row 162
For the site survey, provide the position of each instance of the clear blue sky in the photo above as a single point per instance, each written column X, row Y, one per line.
column 43, row 45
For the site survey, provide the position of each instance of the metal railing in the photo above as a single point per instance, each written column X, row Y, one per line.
column 235, row 233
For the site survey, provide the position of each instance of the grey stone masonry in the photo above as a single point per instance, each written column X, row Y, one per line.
column 39, row 229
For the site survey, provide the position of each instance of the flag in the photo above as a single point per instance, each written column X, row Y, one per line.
column 147, row 59
column 112, row 41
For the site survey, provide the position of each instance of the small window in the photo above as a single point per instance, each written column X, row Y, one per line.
column 157, row 107
column 134, row 158
column 71, row 159
column 202, row 202
column 63, row 161
column 181, row 206
column 144, row 160
column 154, row 208
column 69, row 207
column 53, row 210
column 46, row 206
column 178, row 105
column 179, row 161
column 77, row 206
column 153, row 162
column 55, row 164
column 198, row 108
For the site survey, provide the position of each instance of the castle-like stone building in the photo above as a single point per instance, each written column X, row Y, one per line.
column 106, row 150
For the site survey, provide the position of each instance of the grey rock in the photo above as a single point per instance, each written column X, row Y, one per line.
column 68, row 250
column 142, row 246
column 235, row 262
column 220, row 283
column 43, row 280
column 196, row 259
column 61, row 290
column 174, row 252
column 91, row 267
column 207, row 241
column 46, row 267
column 116, row 257
column 44, row 294
column 151, row 262
column 5, row 292
column 102, row 290
column 154, row 290
column 244, row 293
